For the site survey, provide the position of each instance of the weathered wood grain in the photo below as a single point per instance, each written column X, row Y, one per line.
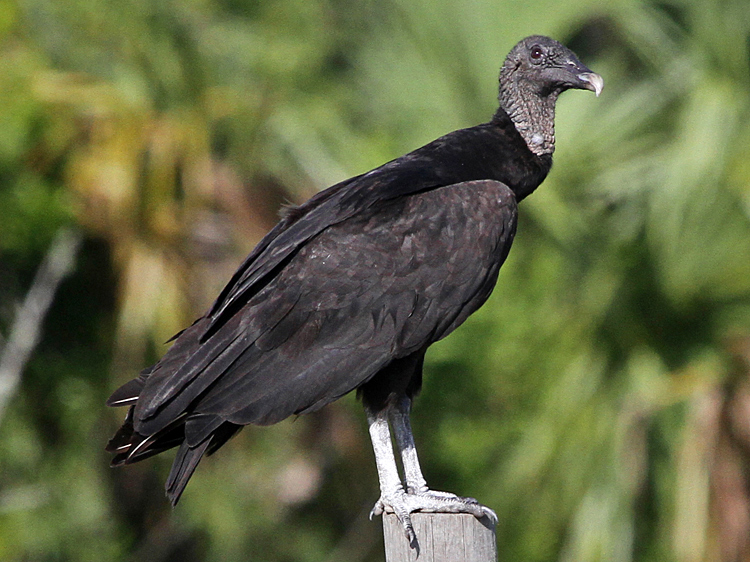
column 442, row 537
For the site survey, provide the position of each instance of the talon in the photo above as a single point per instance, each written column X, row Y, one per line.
column 377, row 509
column 428, row 501
column 490, row 514
column 411, row 536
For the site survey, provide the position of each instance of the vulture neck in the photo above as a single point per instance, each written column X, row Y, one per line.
column 532, row 113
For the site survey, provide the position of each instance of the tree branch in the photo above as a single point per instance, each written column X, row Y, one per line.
column 27, row 326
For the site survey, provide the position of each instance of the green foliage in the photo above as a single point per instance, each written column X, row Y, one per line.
column 598, row 402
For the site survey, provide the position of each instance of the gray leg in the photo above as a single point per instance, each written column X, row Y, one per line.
column 399, row 416
column 393, row 498
column 431, row 500
column 391, row 488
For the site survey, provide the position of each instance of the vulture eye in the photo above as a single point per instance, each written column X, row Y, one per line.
column 536, row 53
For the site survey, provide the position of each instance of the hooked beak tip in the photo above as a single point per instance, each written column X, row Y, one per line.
column 594, row 82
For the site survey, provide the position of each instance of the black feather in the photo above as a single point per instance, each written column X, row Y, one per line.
column 183, row 467
column 350, row 288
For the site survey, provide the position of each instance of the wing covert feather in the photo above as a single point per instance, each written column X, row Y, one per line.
column 378, row 286
column 366, row 291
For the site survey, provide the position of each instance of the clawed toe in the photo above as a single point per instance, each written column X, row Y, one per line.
column 403, row 504
column 446, row 502
column 377, row 509
column 398, row 507
column 489, row 514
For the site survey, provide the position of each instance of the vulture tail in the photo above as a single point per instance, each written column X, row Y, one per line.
column 129, row 446
column 183, row 467
column 189, row 455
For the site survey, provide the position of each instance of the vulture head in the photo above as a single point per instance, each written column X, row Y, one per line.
column 536, row 71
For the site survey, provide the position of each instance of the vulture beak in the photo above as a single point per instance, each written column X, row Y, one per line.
column 592, row 81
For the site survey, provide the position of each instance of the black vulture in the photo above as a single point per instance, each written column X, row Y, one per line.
column 349, row 290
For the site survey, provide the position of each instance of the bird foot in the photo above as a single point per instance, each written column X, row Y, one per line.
column 403, row 504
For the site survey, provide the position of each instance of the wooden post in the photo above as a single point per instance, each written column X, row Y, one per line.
column 442, row 537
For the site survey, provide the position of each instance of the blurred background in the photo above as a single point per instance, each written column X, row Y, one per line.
column 600, row 401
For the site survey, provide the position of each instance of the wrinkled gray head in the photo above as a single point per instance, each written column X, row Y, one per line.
column 534, row 74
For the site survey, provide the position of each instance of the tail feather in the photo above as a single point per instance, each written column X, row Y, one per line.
column 121, row 440
column 130, row 446
column 123, row 459
column 128, row 393
column 183, row 467
column 195, row 433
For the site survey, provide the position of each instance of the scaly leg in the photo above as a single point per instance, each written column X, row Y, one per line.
column 391, row 489
column 441, row 502
column 393, row 497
